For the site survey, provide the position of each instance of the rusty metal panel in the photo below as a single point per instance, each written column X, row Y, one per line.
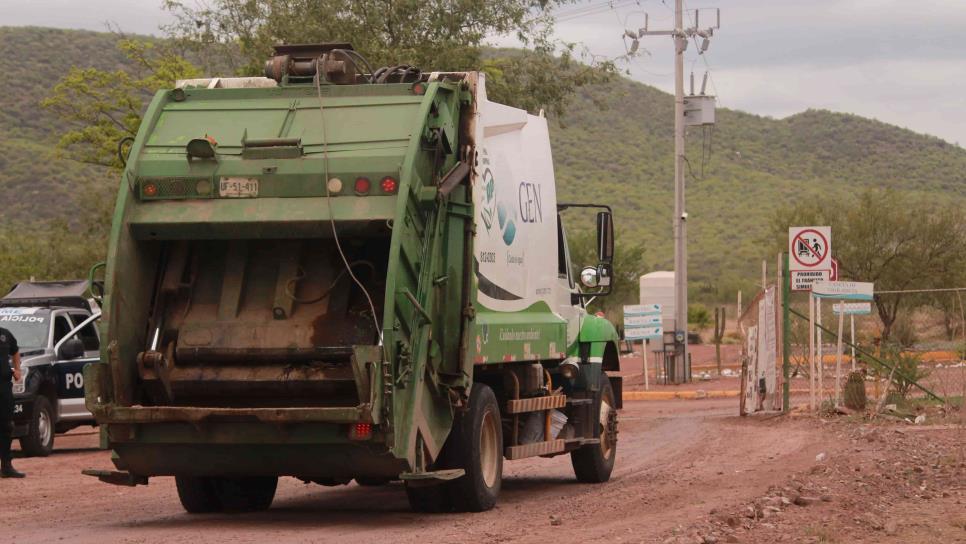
column 156, row 414
column 536, row 404
column 536, row 448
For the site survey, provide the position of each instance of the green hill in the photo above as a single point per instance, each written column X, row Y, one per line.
column 619, row 155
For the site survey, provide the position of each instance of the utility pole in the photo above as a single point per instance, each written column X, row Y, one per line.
column 698, row 114
column 680, row 215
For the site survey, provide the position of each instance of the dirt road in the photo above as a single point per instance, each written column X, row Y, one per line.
column 677, row 461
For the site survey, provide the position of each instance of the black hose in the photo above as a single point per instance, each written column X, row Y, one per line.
column 301, row 274
column 120, row 150
column 353, row 56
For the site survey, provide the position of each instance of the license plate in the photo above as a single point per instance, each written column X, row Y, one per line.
column 238, row 188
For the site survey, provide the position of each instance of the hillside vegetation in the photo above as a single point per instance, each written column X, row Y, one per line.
column 620, row 154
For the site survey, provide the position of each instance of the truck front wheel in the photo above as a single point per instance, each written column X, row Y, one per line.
column 39, row 441
column 593, row 463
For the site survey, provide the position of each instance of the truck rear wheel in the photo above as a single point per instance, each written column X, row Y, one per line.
column 39, row 441
column 204, row 494
column 249, row 494
column 197, row 494
column 593, row 463
column 476, row 446
column 432, row 499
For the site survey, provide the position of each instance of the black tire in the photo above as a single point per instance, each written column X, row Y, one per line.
column 206, row 494
column 593, row 463
column 248, row 494
column 198, row 494
column 433, row 499
column 39, row 441
column 476, row 445
column 371, row 481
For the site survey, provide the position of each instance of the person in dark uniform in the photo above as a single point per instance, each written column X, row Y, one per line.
column 9, row 351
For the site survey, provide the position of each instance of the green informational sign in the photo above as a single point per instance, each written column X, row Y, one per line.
column 843, row 290
column 852, row 308
column 642, row 322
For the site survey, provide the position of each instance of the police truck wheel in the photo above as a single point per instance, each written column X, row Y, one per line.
column 39, row 441
column 197, row 494
column 476, row 445
column 593, row 463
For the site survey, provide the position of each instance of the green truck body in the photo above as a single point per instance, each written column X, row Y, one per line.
column 332, row 278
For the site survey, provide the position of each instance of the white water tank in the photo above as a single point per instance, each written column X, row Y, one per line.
column 658, row 288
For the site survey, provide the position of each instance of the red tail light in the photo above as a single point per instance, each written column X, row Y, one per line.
column 362, row 186
column 149, row 190
column 389, row 184
column 360, row 431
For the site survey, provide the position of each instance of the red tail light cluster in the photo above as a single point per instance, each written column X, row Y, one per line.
column 149, row 190
column 389, row 184
column 360, row 431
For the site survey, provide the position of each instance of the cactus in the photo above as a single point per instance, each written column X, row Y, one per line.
column 855, row 391
column 719, row 327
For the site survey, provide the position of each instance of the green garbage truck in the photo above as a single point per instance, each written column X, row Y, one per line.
column 336, row 273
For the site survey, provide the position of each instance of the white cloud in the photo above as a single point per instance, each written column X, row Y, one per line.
column 897, row 61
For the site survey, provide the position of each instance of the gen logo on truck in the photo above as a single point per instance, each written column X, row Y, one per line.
column 393, row 299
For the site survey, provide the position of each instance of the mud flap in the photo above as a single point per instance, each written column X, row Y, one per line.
column 617, row 385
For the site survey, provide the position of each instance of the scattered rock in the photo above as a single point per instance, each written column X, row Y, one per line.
column 920, row 419
column 821, row 457
column 891, row 527
column 554, row 520
column 709, row 539
column 802, row 500
column 871, row 520
column 826, row 498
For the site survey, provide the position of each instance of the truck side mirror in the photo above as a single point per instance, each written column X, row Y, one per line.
column 71, row 349
column 605, row 237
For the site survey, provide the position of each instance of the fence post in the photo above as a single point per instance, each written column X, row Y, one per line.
column 786, row 336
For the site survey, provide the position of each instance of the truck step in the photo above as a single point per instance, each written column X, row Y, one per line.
column 116, row 477
column 431, row 477
column 535, row 404
column 536, row 448
column 579, row 402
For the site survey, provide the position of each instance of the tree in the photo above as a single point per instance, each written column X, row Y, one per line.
column 889, row 238
column 101, row 108
column 446, row 35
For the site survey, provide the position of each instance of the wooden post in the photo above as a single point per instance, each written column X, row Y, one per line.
column 838, row 358
column 852, row 338
column 819, row 352
column 647, row 386
column 811, row 351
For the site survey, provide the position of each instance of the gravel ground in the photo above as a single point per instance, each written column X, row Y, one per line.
column 687, row 471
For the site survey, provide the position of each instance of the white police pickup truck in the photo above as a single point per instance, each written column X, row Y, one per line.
column 54, row 324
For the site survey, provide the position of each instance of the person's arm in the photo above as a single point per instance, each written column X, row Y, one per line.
column 15, row 352
column 16, row 366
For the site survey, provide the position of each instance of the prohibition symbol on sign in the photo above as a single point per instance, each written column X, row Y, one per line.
column 810, row 247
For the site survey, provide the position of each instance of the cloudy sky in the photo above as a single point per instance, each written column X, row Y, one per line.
column 902, row 62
